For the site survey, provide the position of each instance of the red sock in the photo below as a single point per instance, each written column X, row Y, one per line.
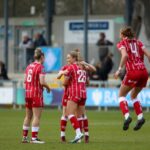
column 35, row 132
column 34, row 135
column 137, row 107
column 123, row 105
column 25, row 131
column 85, row 124
column 74, row 121
column 63, row 123
column 80, row 121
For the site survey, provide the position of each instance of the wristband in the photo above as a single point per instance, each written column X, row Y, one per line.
column 119, row 69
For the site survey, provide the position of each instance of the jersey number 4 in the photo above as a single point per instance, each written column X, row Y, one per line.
column 29, row 75
column 133, row 47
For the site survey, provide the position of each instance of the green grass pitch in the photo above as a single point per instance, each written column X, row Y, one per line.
column 105, row 132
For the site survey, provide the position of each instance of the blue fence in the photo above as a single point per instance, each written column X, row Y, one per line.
column 103, row 97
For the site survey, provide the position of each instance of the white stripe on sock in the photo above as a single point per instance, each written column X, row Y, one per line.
column 121, row 99
column 140, row 116
column 35, row 129
column 126, row 116
column 62, row 133
column 26, row 127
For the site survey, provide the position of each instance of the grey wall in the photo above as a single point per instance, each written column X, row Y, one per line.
column 58, row 37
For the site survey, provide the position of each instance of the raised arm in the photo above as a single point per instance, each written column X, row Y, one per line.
column 146, row 53
column 124, row 57
column 88, row 66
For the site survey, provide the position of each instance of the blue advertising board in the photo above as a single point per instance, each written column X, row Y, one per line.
column 109, row 97
column 53, row 58
column 103, row 97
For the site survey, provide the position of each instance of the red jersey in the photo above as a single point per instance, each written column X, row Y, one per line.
column 65, row 94
column 65, row 89
column 64, row 67
column 134, row 49
column 77, row 82
column 33, row 87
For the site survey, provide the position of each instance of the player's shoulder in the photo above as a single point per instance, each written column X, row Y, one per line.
column 29, row 66
column 121, row 44
column 64, row 67
column 140, row 42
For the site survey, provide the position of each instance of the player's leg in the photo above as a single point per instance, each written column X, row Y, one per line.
column 86, row 127
column 84, row 123
column 71, row 111
column 63, row 124
column 37, row 111
column 79, row 115
column 137, row 108
column 26, row 125
column 124, row 105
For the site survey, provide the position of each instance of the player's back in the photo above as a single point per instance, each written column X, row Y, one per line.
column 77, row 84
column 32, row 81
column 134, row 49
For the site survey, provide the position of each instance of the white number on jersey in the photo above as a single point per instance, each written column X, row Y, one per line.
column 82, row 76
column 133, row 47
column 29, row 75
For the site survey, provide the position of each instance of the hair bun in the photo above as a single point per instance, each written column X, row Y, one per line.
column 38, row 53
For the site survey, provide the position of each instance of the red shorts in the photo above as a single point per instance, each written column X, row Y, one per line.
column 34, row 102
column 64, row 100
column 136, row 78
column 79, row 101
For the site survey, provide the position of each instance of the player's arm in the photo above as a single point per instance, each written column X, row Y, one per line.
column 67, row 74
column 43, row 82
column 88, row 66
column 61, row 72
column 146, row 53
column 59, row 75
column 124, row 57
column 87, row 82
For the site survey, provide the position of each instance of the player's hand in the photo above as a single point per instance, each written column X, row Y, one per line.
column 60, row 73
column 65, row 72
column 116, row 75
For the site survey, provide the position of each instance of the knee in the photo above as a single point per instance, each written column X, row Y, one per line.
column 28, row 118
column 133, row 96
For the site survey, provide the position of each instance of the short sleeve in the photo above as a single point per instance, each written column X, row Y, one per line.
column 64, row 68
column 120, row 45
column 69, row 69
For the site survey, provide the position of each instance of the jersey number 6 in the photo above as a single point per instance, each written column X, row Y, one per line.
column 29, row 75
